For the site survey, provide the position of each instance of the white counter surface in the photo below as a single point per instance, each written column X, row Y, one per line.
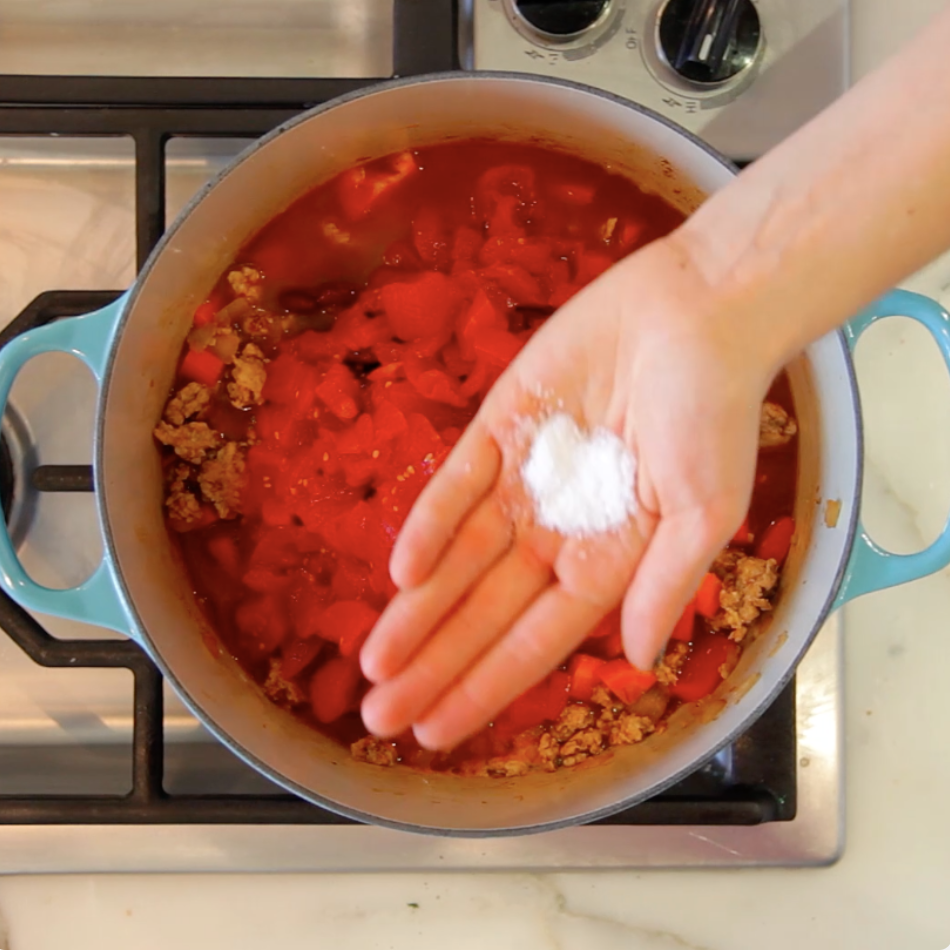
column 888, row 891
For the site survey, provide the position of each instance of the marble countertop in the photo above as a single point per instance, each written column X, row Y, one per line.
column 888, row 890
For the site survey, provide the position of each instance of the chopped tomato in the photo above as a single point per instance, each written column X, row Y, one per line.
column 776, row 540
column 362, row 187
column 201, row 366
column 263, row 625
column 335, row 688
column 347, row 623
column 707, row 597
column 684, row 626
column 480, row 315
column 497, row 346
column 624, row 680
column 575, row 193
column 340, row 392
column 421, row 307
column 701, row 673
column 583, row 670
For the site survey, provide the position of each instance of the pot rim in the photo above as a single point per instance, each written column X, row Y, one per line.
column 225, row 738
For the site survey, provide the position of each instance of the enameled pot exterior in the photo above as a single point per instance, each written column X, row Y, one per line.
column 140, row 588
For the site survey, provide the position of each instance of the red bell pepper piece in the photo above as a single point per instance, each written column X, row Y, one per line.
column 542, row 703
column 625, row 681
column 201, row 366
column 776, row 540
column 684, row 626
column 334, row 689
column 700, row 674
column 583, row 672
column 707, row 597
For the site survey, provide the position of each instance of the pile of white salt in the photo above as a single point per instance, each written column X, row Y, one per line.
column 581, row 483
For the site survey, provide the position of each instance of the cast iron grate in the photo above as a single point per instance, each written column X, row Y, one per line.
column 752, row 781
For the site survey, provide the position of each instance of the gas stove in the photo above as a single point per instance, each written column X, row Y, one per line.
column 107, row 126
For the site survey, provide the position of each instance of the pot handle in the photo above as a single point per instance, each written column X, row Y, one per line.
column 97, row 600
column 870, row 567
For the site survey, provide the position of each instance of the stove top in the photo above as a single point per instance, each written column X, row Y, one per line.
column 92, row 759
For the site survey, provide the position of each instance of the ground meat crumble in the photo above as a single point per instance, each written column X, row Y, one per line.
column 189, row 401
column 374, row 751
column 193, row 441
column 248, row 376
column 776, row 426
column 222, row 478
column 747, row 586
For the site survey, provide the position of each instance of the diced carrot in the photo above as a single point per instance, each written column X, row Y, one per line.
column 776, row 541
column 583, row 672
column 204, row 314
column 702, row 671
column 334, row 689
column 624, row 680
column 684, row 626
column 707, row 597
column 202, row 367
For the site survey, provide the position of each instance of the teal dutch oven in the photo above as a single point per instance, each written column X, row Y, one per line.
column 140, row 589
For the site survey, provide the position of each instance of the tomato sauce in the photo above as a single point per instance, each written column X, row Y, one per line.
column 330, row 372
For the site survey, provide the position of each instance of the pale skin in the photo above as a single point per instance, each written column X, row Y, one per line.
column 673, row 349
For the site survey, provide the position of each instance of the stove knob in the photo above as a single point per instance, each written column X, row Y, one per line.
column 708, row 42
column 562, row 20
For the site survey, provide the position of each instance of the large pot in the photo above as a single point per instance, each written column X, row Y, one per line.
column 141, row 590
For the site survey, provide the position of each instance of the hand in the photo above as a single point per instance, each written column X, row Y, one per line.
column 489, row 602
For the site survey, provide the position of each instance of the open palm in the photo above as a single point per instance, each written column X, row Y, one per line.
column 489, row 601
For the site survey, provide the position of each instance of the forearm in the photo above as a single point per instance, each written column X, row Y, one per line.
column 845, row 208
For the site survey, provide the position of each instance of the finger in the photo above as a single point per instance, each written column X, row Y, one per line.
column 548, row 631
column 673, row 564
column 412, row 614
column 501, row 596
column 462, row 481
